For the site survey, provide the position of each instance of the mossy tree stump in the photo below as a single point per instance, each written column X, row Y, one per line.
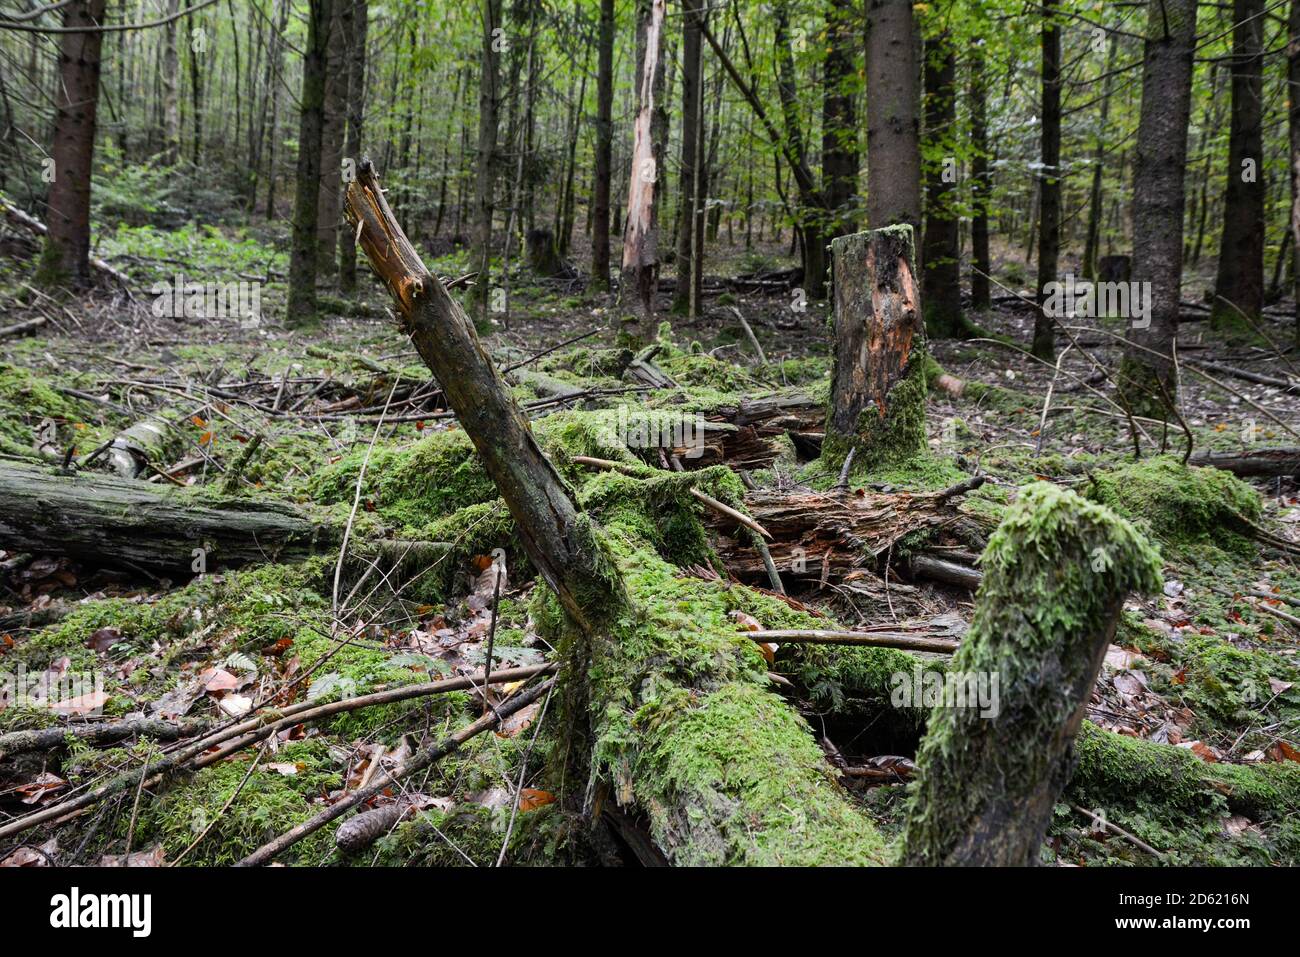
column 1056, row 573
column 877, row 402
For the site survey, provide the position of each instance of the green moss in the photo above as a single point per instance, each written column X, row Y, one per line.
column 1181, row 506
column 269, row 804
column 891, row 438
column 1055, row 572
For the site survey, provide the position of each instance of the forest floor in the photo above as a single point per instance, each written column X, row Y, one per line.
column 1207, row 671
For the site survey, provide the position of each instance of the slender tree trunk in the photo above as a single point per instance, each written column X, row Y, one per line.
column 941, row 275
column 356, row 31
column 1049, row 181
column 1240, row 285
column 687, row 298
column 980, row 184
column 839, row 119
column 1293, row 130
column 489, row 103
column 893, row 128
column 274, row 134
column 641, row 231
column 1148, row 380
column 171, row 89
column 197, row 48
column 1093, row 242
column 811, row 221
column 305, row 255
column 333, row 121
column 65, row 259
column 604, row 148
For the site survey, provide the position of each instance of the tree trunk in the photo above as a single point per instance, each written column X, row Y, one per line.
column 640, row 273
column 171, row 89
column 65, row 259
column 1293, row 130
column 1239, row 289
column 981, row 184
column 356, row 30
column 839, row 120
column 893, row 128
column 333, row 120
column 941, row 275
column 1148, row 381
column 690, row 235
column 990, row 771
column 489, row 104
column 877, row 404
column 1093, row 241
column 1049, row 182
column 604, row 148
column 303, row 259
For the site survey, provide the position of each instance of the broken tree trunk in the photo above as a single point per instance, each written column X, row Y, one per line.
column 562, row 543
column 1056, row 573
column 877, row 404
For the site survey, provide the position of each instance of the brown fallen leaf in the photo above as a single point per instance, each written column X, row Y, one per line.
column 530, row 799
column 150, row 858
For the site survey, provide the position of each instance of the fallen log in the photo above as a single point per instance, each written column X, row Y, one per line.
column 940, row 569
column 1253, row 463
column 28, row 221
column 107, row 520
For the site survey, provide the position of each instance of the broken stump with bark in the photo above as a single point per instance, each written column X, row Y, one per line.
column 877, row 401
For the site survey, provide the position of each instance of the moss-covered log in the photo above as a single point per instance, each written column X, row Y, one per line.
column 1056, row 573
column 877, row 402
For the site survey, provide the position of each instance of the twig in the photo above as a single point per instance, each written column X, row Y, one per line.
column 874, row 639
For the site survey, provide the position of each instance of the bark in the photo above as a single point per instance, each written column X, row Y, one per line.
column 877, row 404
column 333, row 121
column 356, row 31
column 981, row 184
column 991, row 771
column 604, row 148
column 562, row 543
column 690, row 235
column 893, row 144
column 1293, row 131
column 1093, row 241
column 489, row 106
column 107, row 520
column 1049, row 181
column 941, row 277
column 305, row 254
column 1148, row 380
column 640, row 272
column 65, row 259
column 839, row 120
column 171, row 89
column 1240, row 285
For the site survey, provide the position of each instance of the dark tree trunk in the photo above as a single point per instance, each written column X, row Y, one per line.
column 640, row 273
column 1239, row 289
column 980, row 184
column 1049, row 181
column 604, row 148
column 333, row 121
column 489, row 104
column 65, row 259
column 839, row 120
column 356, row 30
column 811, row 219
column 877, row 403
column 690, row 235
column 941, row 275
column 303, row 260
column 1148, row 381
column 893, row 145
column 1093, row 241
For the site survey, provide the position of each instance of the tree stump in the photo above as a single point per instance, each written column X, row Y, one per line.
column 993, row 763
column 877, row 403
column 543, row 258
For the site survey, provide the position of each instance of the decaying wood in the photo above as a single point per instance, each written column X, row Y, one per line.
column 103, row 519
column 559, row 541
column 1252, row 463
column 28, row 221
column 815, row 535
column 869, row 639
